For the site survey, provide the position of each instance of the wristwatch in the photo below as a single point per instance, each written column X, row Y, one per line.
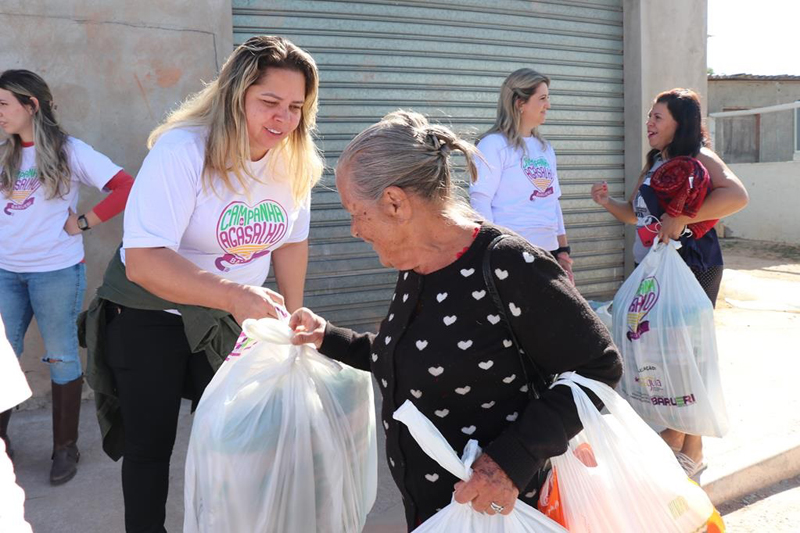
column 83, row 224
column 563, row 249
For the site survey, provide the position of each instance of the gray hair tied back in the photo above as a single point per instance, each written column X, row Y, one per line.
column 435, row 141
column 404, row 150
column 442, row 148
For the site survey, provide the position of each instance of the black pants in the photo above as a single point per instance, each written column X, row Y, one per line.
column 152, row 366
column 711, row 280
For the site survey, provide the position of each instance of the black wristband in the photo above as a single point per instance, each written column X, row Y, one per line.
column 563, row 249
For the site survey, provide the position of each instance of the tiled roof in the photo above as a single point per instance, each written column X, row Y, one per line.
column 754, row 77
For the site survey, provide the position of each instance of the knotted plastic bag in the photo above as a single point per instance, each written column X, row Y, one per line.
column 663, row 325
column 618, row 475
column 283, row 440
column 462, row 517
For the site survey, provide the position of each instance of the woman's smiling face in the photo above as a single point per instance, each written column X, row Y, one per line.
column 661, row 127
column 273, row 107
column 370, row 222
column 533, row 113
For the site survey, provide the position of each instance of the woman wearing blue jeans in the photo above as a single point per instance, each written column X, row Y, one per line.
column 42, row 272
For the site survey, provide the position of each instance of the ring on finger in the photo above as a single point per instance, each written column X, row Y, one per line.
column 496, row 508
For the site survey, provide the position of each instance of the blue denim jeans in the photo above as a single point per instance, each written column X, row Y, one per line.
column 55, row 298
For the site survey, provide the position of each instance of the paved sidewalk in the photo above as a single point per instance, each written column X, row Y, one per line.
column 760, row 368
column 758, row 336
column 775, row 509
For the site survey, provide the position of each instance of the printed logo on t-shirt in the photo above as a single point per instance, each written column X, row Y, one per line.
column 640, row 208
column 22, row 195
column 246, row 233
column 538, row 171
column 645, row 299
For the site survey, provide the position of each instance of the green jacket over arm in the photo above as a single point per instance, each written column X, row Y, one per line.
column 207, row 330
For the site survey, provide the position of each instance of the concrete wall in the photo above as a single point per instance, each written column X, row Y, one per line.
column 771, row 214
column 115, row 67
column 665, row 47
column 776, row 130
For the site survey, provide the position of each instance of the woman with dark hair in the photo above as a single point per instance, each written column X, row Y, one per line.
column 42, row 272
column 675, row 129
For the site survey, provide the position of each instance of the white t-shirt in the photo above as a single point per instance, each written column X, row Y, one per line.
column 225, row 233
column 14, row 390
column 32, row 236
column 519, row 190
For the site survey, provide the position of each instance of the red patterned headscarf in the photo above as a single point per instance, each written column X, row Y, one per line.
column 681, row 185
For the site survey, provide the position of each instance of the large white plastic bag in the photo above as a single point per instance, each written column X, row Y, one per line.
column 602, row 310
column 462, row 517
column 637, row 484
column 663, row 324
column 283, row 440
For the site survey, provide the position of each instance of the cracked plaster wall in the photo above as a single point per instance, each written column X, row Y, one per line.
column 115, row 67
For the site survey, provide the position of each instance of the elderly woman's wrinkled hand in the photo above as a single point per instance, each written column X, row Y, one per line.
column 488, row 485
column 308, row 327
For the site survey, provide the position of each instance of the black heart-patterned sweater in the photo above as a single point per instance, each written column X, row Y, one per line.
column 444, row 346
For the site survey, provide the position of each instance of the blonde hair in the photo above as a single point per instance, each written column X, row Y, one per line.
column 220, row 107
column 404, row 150
column 519, row 86
column 49, row 138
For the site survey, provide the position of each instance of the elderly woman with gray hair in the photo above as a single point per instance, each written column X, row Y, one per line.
column 468, row 334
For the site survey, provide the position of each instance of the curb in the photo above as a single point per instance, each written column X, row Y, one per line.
column 762, row 474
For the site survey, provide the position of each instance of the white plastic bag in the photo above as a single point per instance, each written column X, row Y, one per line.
column 462, row 517
column 636, row 485
column 283, row 440
column 603, row 311
column 663, row 324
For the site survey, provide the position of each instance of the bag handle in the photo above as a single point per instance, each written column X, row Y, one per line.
column 433, row 443
column 533, row 390
column 630, row 427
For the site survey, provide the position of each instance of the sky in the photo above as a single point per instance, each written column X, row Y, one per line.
column 754, row 36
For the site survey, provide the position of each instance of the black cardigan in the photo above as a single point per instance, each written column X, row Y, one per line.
column 444, row 347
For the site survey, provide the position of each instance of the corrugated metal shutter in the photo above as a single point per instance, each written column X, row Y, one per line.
column 447, row 60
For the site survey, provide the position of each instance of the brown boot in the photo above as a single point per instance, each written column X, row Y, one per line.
column 66, row 413
column 5, row 416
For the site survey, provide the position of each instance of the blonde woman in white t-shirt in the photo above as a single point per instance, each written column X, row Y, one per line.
column 42, row 270
column 223, row 193
column 517, row 184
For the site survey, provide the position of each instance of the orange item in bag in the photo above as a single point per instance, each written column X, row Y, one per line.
column 551, row 506
column 550, row 499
